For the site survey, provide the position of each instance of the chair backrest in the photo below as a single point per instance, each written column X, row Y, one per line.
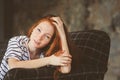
column 94, row 47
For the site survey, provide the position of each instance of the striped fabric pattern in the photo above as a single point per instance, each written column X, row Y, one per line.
column 16, row 49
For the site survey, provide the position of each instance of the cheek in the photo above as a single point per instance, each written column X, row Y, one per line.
column 34, row 32
column 45, row 43
column 33, row 35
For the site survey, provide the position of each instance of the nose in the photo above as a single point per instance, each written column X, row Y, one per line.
column 39, row 36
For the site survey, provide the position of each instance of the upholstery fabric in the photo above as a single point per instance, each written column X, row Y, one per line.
column 90, row 53
column 91, row 58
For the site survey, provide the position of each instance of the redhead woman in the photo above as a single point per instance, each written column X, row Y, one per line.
column 45, row 44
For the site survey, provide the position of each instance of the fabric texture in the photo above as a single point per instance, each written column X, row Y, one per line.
column 90, row 57
column 16, row 49
column 90, row 53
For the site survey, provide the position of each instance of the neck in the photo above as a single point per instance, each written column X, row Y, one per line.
column 33, row 50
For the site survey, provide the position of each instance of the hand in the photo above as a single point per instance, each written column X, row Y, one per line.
column 59, row 24
column 60, row 59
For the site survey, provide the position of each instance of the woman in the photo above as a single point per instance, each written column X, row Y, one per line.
column 44, row 45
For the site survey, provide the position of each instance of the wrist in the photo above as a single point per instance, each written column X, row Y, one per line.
column 49, row 60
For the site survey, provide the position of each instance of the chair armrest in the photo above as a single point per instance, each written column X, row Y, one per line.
column 85, row 72
column 44, row 73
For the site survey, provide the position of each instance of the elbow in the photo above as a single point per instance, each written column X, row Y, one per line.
column 65, row 71
column 12, row 63
column 12, row 66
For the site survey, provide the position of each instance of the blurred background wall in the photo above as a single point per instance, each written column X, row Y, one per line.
column 1, row 20
column 16, row 16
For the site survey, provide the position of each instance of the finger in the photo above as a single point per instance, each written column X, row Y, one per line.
column 66, row 60
column 65, row 63
column 70, row 56
column 57, row 20
column 67, row 56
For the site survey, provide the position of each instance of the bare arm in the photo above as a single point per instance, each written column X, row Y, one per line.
column 14, row 63
column 67, row 67
column 59, row 24
column 36, row 63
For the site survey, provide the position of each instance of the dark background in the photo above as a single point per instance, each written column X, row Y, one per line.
column 16, row 16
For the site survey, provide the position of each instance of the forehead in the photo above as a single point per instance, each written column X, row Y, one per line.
column 47, row 24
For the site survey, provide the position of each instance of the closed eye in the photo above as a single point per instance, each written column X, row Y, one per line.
column 48, row 37
column 38, row 29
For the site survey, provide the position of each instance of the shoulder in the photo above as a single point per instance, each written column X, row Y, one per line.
column 18, row 40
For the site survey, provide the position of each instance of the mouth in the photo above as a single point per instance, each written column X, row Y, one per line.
column 36, row 42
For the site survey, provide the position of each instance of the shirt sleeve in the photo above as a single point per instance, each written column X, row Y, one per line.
column 13, row 49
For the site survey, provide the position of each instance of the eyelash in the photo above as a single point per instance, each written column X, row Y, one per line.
column 47, row 36
column 39, row 30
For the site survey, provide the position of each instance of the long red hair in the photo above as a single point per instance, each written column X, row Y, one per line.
column 55, row 43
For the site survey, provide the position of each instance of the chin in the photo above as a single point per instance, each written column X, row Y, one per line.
column 39, row 47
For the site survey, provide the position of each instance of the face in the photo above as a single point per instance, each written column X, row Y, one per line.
column 41, row 35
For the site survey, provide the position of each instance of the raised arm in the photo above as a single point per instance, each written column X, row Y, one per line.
column 59, row 24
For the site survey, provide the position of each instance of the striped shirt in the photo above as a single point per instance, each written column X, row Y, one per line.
column 16, row 49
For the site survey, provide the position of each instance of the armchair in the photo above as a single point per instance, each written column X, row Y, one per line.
column 90, row 51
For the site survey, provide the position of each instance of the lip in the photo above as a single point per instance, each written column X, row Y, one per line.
column 36, row 42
